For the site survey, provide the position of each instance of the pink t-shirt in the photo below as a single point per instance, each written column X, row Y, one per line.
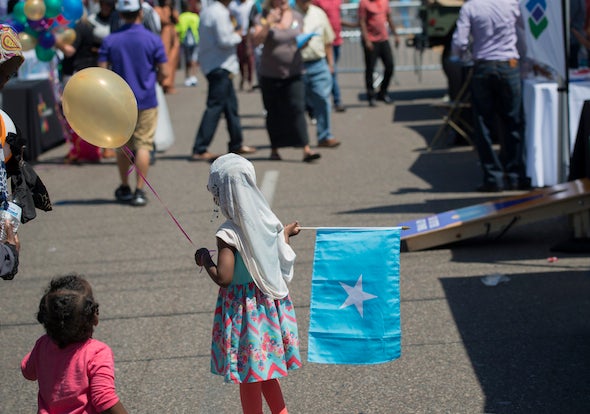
column 78, row 379
column 332, row 10
column 374, row 13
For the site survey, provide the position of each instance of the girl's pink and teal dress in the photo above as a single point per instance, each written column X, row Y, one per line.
column 254, row 337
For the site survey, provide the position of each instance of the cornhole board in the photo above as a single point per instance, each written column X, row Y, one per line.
column 571, row 198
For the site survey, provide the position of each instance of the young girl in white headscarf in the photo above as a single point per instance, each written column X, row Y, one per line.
column 255, row 339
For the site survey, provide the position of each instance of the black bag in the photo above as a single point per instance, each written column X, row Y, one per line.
column 28, row 191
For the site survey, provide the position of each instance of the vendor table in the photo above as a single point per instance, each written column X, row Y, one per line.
column 540, row 100
column 31, row 106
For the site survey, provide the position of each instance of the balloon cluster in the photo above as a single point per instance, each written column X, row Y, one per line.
column 39, row 23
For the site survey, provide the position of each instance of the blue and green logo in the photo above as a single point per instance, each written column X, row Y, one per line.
column 537, row 17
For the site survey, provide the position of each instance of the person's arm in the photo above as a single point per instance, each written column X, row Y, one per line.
column 226, row 35
column 264, row 24
column 460, row 42
column 260, row 31
column 363, row 25
column 68, row 50
column 222, row 273
column 162, row 72
column 329, row 36
column 330, row 56
column 116, row 409
column 351, row 25
column 581, row 38
column 28, row 367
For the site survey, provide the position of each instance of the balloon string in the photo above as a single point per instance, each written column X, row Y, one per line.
column 129, row 154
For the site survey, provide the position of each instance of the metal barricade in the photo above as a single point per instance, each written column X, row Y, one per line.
column 408, row 25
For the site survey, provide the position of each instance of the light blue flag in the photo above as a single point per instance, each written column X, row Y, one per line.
column 355, row 310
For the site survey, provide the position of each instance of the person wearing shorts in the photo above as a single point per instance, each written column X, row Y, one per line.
column 138, row 56
column 188, row 32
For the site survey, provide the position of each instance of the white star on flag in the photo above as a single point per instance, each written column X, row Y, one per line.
column 356, row 296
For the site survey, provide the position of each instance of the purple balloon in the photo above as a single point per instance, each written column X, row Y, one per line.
column 38, row 25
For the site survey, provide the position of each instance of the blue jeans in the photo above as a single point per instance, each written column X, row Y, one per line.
column 336, row 97
column 496, row 93
column 318, row 87
column 221, row 98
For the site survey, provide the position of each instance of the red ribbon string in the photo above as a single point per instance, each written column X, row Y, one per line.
column 129, row 154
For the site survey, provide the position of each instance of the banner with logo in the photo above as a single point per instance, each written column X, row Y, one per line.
column 543, row 25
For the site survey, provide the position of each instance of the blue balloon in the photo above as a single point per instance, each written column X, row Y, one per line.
column 46, row 40
column 72, row 9
column 18, row 26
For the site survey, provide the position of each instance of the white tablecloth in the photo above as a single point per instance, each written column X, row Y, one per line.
column 540, row 100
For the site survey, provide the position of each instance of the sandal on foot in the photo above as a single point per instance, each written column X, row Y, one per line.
column 312, row 156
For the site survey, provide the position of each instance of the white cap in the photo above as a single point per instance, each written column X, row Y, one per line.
column 128, row 5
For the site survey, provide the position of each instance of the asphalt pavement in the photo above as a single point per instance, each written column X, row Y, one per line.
column 522, row 346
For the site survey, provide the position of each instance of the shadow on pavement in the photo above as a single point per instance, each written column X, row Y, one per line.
column 449, row 171
column 416, row 113
column 528, row 339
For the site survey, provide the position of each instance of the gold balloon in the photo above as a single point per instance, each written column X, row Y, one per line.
column 68, row 36
column 27, row 41
column 34, row 9
column 100, row 106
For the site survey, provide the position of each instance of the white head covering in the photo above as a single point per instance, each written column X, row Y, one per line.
column 251, row 227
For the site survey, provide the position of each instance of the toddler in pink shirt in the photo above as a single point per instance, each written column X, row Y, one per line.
column 75, row 373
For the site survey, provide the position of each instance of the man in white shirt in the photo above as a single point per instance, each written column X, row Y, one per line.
column 219, row 63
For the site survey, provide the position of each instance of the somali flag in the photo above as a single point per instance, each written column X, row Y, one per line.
column 355, row 310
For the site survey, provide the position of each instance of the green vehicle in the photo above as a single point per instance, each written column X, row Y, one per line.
column 438, row 19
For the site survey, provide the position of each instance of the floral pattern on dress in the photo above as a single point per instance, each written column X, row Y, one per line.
column 254, row 337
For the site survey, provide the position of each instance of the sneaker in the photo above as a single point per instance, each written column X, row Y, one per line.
column 188, row 82
column 194, row 81
column 123, row 194
column 139, row 199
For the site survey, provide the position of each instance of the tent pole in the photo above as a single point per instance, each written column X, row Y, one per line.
column 563, row 146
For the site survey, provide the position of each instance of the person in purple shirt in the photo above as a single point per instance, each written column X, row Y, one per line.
column 138, row 56
column 489, row 29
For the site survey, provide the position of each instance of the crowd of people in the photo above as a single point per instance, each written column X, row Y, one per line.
column 289, row 50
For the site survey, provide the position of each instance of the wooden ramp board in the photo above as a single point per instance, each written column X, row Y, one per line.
column 496, row 216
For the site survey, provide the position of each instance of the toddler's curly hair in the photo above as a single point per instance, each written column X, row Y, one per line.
column 68, row 311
